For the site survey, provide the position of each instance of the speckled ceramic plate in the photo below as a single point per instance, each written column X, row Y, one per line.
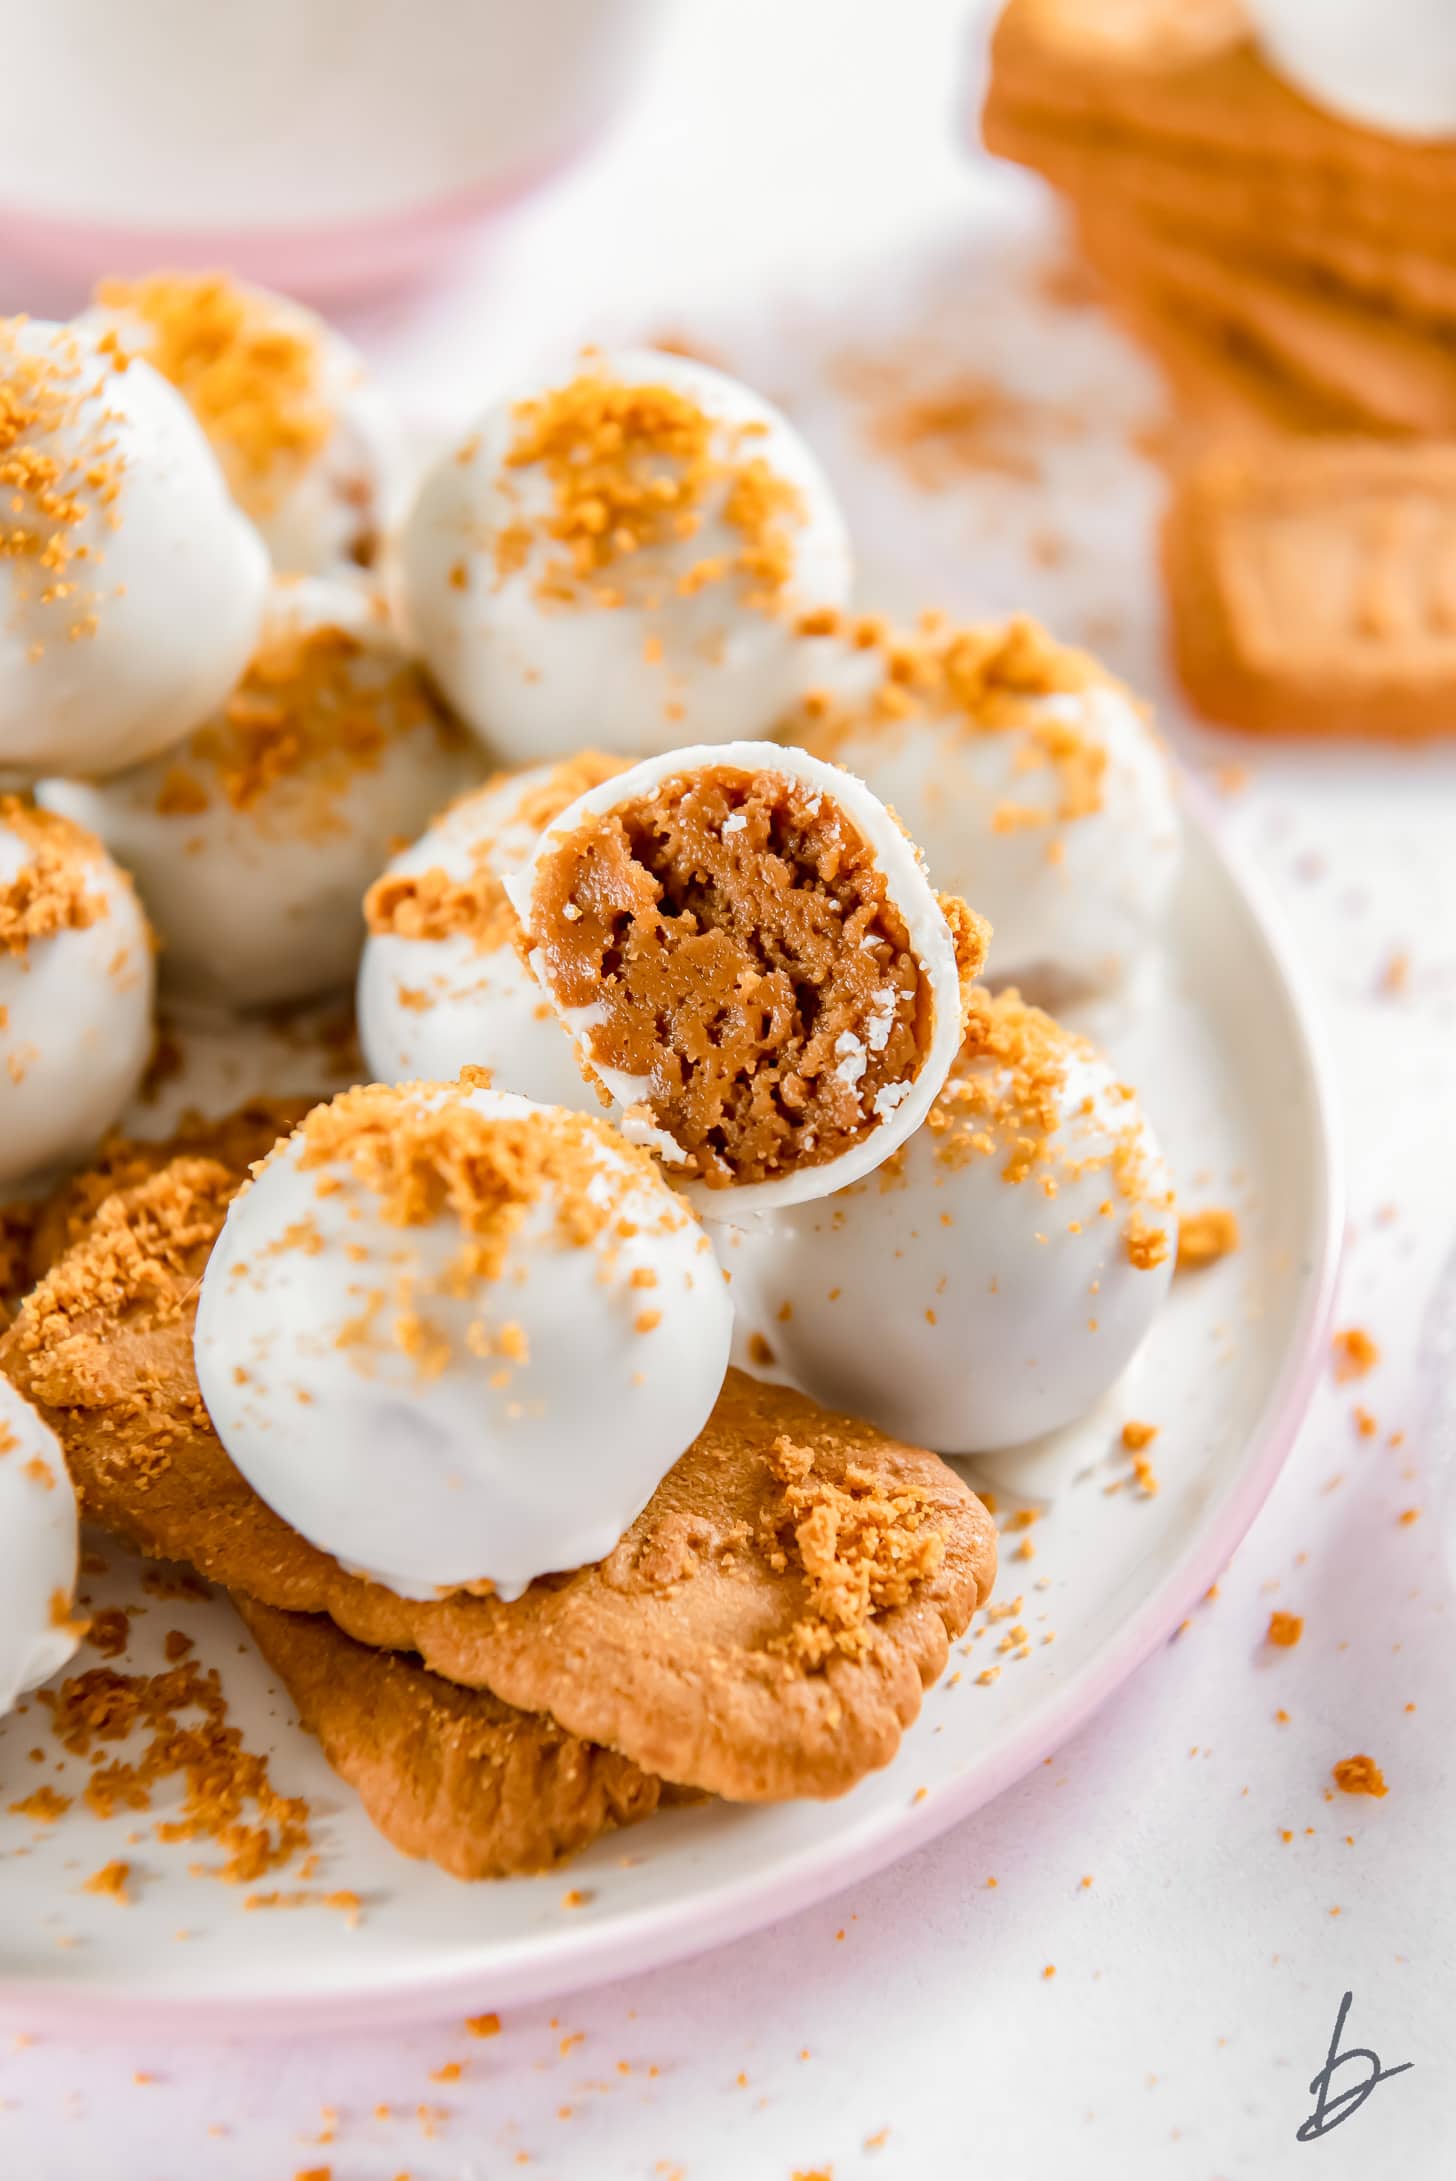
column 1219, row 1046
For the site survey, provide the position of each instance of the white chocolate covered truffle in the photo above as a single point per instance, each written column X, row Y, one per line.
column 749, row 955
column 306, row 441
column 132, row 587
column 621, row 558
column 994, row 1279
column 442, row 985
column 254, row 842
column 39, row 1549
column 453, row 1337
column 75, row 991
column 1030, row 779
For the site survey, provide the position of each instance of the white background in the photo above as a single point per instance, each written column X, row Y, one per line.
column 798, row 157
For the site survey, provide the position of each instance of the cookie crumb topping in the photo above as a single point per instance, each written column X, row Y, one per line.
column 61, row 471
column 425, row 1156
column 632, row 467
column 994, row 678
column 313, row 702
column 1206, row 1236
column 1006, row 1096
column 51, row 892
column 863, row 1546
column 432, row 904
column 252, row 383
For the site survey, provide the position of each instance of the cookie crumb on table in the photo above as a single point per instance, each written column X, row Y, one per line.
column 1355, row 1354
column 1359, row 1776
column 1206, row 1236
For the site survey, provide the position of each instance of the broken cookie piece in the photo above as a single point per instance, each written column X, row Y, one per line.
column 450, row 1775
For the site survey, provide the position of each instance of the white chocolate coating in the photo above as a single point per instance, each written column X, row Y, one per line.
column 323, row 509
column 123, row 627
column 75, row 1018
column 430, row 1007
column 955, row 1307
column 552, row 1401
column 673, row 661
column 1074, row 901
column 909, row 891
column 1387, row 64
column 257, row 896
column 39, row 1549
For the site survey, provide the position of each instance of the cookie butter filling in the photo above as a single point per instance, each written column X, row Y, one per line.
column 752, row 962
column 455, row 1338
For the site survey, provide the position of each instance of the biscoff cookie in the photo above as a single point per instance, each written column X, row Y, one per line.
column 235, row 1140
column 763, row 1629
column 1312, row 585
column 1352, row 367
column 451, row 1776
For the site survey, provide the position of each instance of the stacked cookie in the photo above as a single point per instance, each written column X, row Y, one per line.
column 567, row 1409
column 1291, row 272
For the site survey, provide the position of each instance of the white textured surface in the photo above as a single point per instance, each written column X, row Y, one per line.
column 1199, row 1975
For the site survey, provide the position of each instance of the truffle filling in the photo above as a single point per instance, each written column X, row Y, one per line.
column 733, row 938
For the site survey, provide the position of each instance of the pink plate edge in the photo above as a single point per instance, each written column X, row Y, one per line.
column 575, row 1961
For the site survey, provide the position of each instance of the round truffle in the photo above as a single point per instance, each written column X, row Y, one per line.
column 748, row 953
column 1030, row 779
column 454, row 1337
column 254, row 842
column 997, row 1275
column 39, row 1548
column 442, row 985
column 132, row 586
column 306, row 442
column 76, row 990
column 626, row 551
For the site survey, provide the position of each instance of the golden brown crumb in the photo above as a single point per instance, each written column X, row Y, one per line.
column 991, row 678
column 423, row 1160
column 223, row 1781
column 60, row 473
column 941, row 423
column 51, row 892
column 1359, row 1776
column 1355, row 1354
column 110, row 1881
column 253, row 385
column 303, row 703
column 1005, row 1091
column 109, row 1632
column 1137, row 1436
column 44, row 1807
column 1285, row 1629
column 1205, row 1236
column 862, row 1548
column 632, row 466
column 483, row 2025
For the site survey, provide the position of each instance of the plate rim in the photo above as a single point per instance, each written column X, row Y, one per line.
column 571, row 1961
